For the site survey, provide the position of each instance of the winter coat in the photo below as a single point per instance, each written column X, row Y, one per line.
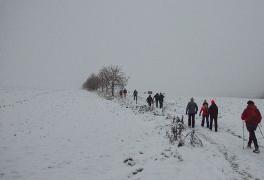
column 156, row 97
column 251, row 115
column 213, row 110
column 191, row 108
column 135, row 93
column 204, row 109
column 150, row 100
column 161, row 97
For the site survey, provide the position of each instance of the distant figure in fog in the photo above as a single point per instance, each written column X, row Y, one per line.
column 161, row 99
column 252, row 118
column 205, row 114
column 125, row 92
column 135, row 94
column 191, row 110
column 156, row 98
column 149, row 100
column 213, row 113
column 121, row 93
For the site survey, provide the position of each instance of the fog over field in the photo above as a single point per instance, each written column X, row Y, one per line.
column 190, row 48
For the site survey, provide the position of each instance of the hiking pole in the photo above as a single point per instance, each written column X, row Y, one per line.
column 243, row 135
column 261, row 132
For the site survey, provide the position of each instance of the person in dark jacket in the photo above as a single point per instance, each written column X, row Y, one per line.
column 135, row 94
column 125, row 92
column 156, row 98
column 191, row 110
column 161, row 99
column 121, row 93
column 205, row 114
column 252, row 118
column 149, row 100
column 213, row 113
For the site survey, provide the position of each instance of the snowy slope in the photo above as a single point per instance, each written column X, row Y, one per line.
column 79, row 135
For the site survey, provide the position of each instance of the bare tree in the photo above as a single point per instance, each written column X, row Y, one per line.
column 108, row 77
column 117, row 78
column 104, row 76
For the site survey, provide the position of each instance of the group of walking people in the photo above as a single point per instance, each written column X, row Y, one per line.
column 251, row 116
column 209, row 114
column 123, row 92
column 158, row 99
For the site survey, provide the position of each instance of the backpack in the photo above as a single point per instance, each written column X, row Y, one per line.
column 255, row 116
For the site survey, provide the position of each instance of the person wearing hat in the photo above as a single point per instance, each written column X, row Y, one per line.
column 252, row 118
column 213, row 113
column 191, row 110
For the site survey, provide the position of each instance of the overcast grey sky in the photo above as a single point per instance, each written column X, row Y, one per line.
column 185, row 47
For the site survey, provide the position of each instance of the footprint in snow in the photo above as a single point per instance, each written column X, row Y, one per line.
column 139, row 170
column 130, row 162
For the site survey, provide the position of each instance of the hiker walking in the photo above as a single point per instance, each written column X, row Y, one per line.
column 135, row 94
column 125, row 92
column 156, row 98
column 149, row 100
column 205, row 114
column 121, row 93
column 252, row 118
column 213, row 113
column 191, row 110
column 161, row 98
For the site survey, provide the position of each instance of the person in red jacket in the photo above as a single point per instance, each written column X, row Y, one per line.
column 205, row 114
column 252, row 118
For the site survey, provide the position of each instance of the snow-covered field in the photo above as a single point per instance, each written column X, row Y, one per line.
column 77, row 135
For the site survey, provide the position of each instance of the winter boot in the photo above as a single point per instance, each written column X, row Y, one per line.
column 256, row 151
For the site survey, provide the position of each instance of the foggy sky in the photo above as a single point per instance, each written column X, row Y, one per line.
column 182, row 47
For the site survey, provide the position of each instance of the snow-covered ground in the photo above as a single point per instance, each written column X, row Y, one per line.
column 77, row 135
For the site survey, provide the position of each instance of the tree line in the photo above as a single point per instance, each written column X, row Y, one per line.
column 107, row 79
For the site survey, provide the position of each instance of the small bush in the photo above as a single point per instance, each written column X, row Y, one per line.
column 92, row 83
